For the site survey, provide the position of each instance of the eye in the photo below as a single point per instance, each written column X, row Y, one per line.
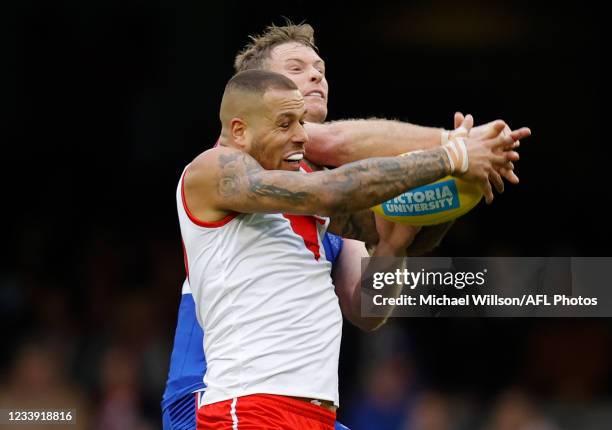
column 294, row 67
column 302, row 122
column 285, row 125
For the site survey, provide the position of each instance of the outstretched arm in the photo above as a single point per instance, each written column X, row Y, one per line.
column 340, row 142
column 225, row 179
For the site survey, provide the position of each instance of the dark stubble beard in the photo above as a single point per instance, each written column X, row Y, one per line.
column 257, row 151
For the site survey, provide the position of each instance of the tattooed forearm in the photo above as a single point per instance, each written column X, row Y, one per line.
column 259, row 188
column 368, row 182
column 244, row 186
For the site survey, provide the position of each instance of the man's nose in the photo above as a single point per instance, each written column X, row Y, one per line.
column 300, row 135
column 315, row 75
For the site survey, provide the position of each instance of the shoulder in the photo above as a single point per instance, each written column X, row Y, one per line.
column 216, row 163
column 210, row 179
column 219, row 155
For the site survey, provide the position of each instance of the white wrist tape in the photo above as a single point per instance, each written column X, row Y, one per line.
column 444, row 137
column 456, row 150
column 450, row 157
column 466, row 162
column 461, row 132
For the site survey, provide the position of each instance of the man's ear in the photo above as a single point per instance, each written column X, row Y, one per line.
column 239, row 131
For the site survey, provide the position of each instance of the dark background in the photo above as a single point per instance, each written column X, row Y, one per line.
column 104, row 102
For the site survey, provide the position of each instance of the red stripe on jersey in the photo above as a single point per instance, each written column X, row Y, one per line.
column 209, row 224
column 306, row 227
column 306, row 167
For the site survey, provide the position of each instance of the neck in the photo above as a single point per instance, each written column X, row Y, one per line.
column 225, row 139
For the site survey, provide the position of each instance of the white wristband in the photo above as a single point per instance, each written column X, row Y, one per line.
column 450, row 159
column 456, row 150
column 465, row 164
column 444, row 137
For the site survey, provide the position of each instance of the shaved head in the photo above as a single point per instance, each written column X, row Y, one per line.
column 244, row 92
column 262, row 114
column 259, row 81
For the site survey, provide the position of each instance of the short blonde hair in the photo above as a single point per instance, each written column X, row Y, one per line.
column 256, row 52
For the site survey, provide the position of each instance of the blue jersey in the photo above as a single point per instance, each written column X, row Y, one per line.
column 187, row 362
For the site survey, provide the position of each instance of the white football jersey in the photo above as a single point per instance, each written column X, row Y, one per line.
column 264, row 295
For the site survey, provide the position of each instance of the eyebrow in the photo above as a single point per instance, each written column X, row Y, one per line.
column 290, row 115
column 285, row 115
column 303, row 62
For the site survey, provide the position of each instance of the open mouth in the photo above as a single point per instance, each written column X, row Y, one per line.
column 316, row 94
column 295, row 158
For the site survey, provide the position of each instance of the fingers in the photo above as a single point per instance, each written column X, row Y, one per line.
column 497, row 181
column 506, row 170
column 521, row 133
column 501, row 160
column 506, row 132
column 509, row 141
column 497, row 127
column 468, row 122
column 504, row 143
column 503, row 167
column 464, row 127
column 509, row 175
column 459, row 117
column 511, row 156
column 509, row 165
column 487, row 191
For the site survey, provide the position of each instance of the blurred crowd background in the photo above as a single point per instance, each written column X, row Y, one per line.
column 104, row 102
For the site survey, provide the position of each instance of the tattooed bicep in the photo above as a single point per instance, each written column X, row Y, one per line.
column 243, row 185
column 234, row 170
column 238, row 162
